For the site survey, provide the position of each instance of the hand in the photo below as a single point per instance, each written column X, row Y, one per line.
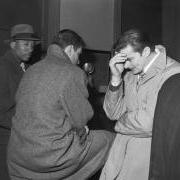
column 116, row 64
column 82, row 133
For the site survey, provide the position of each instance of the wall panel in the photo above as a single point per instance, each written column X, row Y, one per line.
column 97, row 21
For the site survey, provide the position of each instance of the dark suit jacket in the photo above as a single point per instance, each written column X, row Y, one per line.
column 165, row 150
column 10, row 76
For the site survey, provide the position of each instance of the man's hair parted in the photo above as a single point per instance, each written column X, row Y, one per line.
column 136, row 38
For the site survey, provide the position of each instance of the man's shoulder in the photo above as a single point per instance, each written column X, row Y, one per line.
column 74, row 73
column 75, row 69
column 6, row 58
column 4, row 62
column 69, row 68
column 172, row 66
column 56, row 68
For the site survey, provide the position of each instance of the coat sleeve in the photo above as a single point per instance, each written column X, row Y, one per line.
column 7, row 103
column 165, row 148
column 116, row 108
column 75, row 98
column 114, row 104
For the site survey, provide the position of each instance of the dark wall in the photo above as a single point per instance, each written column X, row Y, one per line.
column 18, row 11
column 171, row 27
column 143, row 14
column 100, row 60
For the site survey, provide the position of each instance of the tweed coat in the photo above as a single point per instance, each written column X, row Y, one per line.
column 52, row 103
column 132, row 105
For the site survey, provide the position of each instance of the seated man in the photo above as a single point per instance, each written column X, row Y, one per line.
column 49, row 138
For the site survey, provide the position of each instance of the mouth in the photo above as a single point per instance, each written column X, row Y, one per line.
column 27, row 56
column 135, row 71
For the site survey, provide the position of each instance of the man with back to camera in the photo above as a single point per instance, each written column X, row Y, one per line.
column 50, row 139
column 131, row 100
column 11, row 70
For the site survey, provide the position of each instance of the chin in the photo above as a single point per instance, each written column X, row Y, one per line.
column 26, row 58
column 135, row 72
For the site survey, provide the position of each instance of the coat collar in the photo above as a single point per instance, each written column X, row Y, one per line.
column 55, row 50
column 158, row 66
column 13, row 60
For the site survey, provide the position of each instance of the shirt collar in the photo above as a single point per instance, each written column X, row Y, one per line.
column 159, row 63
column 152, row 61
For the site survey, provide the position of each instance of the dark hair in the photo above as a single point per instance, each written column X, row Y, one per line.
column 68, row 37
column 136, row 38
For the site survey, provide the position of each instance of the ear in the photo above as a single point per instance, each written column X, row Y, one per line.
column 68, row 50
column 12, row 44
column 146, row 52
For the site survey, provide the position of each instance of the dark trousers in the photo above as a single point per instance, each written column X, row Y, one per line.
column 4, row 137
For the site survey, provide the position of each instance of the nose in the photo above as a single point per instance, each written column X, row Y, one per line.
column 29, row 47
column 127, row 65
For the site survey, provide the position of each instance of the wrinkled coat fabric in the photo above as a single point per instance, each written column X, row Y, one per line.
column 51, row 103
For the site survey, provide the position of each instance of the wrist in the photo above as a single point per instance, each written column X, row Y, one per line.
column 116, row 80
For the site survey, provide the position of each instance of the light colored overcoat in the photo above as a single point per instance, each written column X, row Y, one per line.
column 133, row 105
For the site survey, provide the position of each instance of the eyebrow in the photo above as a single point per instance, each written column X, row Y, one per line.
column 130, row 58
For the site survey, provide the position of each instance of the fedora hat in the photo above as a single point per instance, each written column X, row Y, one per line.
column 23, row 32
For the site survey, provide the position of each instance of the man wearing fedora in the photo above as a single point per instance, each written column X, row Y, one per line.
column 12, row 68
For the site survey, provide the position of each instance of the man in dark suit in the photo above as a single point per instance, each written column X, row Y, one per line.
column 165, row 148
column 12, row 68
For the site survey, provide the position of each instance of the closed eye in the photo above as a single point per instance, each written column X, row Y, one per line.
column 129, row 59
